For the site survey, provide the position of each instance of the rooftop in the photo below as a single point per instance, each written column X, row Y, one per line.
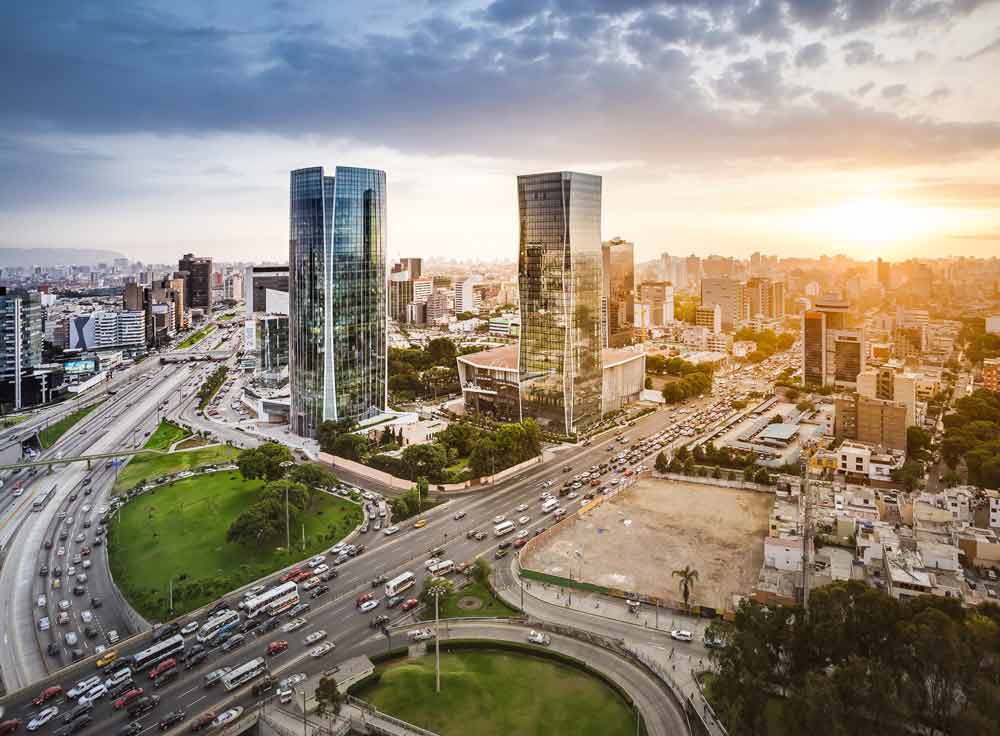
column 778, row 432
column 506, row 357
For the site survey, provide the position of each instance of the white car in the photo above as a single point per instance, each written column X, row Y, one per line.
column 291, row 681
column 324, row 648
column 459, row 515
column 83, row 686
column 390, row 531
column 316, row 561
column 314, row 637
column 337, row 548
column 524, row 520
column 87, row 617
column 537, row 637
column 312, row 582
column 294, row 625
column 93, row 695
column 681, row 635
column 255, row 590
column 369, row 605
column 226, row 716
column 86, row 564
column 42, row 601
column 42, row 717
column 522, row 534
column 428, row 564
column 189, row 628
column 420, row 634
column 522, row 507
column 320, row 569
column 572, row 494
column 64, row 605
column 499, row 518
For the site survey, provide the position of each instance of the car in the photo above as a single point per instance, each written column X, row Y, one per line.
column 500, row 553
column 363, row 598
column 86, row 564
column 271, row 624
column 369, row 605
column 143, row 705
column 681, row 635
column 420, row 634
column 481, row 535
column 42, row 717
column 131, row 729
column 70, row 638
column 291, row 681
column 300, row 608
column 52, row 649
column 322, row 649
column 319, row 590
column 44, row 624
column 390, row 531
column 420, row 523
column 79, row 590
column 520, row 542
column 43, row 571
column 471, row 533
column 458, row 515
column 428, row 564
column 61, row 551
column 203, row 721
column 234, row 641
column 277, row 647
column 293, row 625
column 83, row 686
column 170, row 719
column 499, row 518
column 189, row 628
column 95, row 693
column 524, row 520
column 378, row 621
column 538, row 637
column 96, row 602
column 47, row 544
column 329, row 575
column 409, row 604
column 314, row 637
column 195, row 659
column 394, row 601
column 521, row 507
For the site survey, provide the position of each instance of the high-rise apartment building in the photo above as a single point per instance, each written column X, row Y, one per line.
column 20, row 344
column 198, row 282
column 709, row 317
column 764, row 297
column 337, row 296
column 422, row 289
column 991, row 374
column 400, row 295
column 890, row 383
column 466, row 298
column 873, row 421
column 618, row 292
column 728, row 293
column 833, row 353
column 559, row 279
column 655, row 305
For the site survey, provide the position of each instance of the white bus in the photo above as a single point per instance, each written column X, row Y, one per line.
column 244, row 673
column 274, row 601
column 442, row 568
column 158, row 652
column 218, row 624
column 399, row 583
column 39, row 503
column 504, row 527
column 550, row 505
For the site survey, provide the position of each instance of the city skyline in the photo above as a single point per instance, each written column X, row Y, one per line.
column 780, row 127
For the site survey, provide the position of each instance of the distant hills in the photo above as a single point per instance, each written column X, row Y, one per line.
column 47, row 257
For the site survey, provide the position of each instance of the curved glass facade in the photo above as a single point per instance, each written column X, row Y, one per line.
column 337, row 296
column 559, row 276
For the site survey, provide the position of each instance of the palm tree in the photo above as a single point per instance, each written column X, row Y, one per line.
column 687, row 579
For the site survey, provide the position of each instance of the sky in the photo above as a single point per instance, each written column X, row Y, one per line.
column 790, row 127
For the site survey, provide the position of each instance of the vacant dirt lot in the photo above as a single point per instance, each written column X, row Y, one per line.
column 635, row 541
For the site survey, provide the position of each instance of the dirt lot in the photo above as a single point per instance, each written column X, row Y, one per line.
column 636, row 540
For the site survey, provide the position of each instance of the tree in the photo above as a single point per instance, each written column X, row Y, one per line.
column 349, row 446
column 328, row 698
column 762, row 477
column 687, row 578
column 313, row 475
column 428, row 460
column 264, row 461
column 481, row 570
column 661, row 462
column 328, row 431
column 430, row 583
column 918, row 441
column 442, row 352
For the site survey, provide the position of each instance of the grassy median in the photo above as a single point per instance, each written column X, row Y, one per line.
column 165, row 435
column 142, row 467
column 178, row 532
column 51, row 434
column 196, row 337
column 491, row 693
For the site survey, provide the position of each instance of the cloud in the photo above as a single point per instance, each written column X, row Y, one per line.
column 989, row 48
column 864, row 89
column 756, row 80
column 939, row 93
column 859, row 52
column 811, row 56
column 894, row 91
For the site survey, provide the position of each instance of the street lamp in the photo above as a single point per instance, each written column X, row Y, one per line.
column 437, row 591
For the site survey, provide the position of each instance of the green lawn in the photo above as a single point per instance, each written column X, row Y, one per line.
column 51, row 434
column 165, row 435
column 179, row 532
column 491, row 605
column 195, row 338
column 14, row 420
column 142, row 467
column 226, row 317
column 498, row 694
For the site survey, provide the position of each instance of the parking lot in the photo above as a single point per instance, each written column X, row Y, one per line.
column 636, row 540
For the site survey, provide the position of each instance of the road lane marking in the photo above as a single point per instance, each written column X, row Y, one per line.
column 196, row 701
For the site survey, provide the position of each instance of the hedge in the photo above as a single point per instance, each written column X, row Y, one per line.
column 563, row 582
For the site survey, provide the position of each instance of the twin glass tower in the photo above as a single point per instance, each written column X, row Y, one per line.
column 337, row 296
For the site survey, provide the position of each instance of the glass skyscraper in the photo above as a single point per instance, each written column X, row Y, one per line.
column 337, row 296
column 559, row 275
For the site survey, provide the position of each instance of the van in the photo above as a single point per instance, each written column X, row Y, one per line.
column 122, row 675
column 550, row 505
column 504, row 527
column 113, row 637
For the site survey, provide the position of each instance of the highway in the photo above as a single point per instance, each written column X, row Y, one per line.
column 336, row 611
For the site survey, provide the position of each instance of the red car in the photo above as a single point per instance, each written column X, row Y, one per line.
column 277, row 647
column 85, row 551
column 47, row 694
column 128, row 697
column 167, row 664
column 364, row 598
column 203, row 721
column 409, row 604
column 8, row 727
column 303, row 575
column 521, row 542
column 290, row 574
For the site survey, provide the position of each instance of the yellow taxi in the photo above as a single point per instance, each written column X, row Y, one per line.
column 420, row 523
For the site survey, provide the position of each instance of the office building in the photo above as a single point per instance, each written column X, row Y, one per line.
column 257, row 280
column 20, row 346
column 400, row 295
column 655, row 305
column 422, row 289
column 709, row 317
column 559, row 280
column 872, row 421
column 890, row 383
column 411, row 266
column 436, row 307
column 466, row 298
column 337, row 296
column 271, row 335
column 729, row 295
column 234, row 287
column 833, row 353
column 765, row 298
column 991, row 374
column 197, row 281
column 618, row 292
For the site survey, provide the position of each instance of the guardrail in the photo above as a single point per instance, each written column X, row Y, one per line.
column 405, row 726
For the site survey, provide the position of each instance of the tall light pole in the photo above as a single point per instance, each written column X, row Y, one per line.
column 437, row 591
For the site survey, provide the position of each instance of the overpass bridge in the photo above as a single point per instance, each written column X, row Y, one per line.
column 49, row 462
column 192, row 356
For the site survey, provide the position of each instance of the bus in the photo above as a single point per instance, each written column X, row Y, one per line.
column 504, row 527
column 399, row 583
column 442, row 568
column 218, row 624
column 244, row 673
column 274, row 601
column 39, row 503
column 158, row 652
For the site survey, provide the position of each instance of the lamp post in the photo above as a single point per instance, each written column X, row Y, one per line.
column 437, row 591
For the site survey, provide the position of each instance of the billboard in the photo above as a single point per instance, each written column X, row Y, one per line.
column 87, row 365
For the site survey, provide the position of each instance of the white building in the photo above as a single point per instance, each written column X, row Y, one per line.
column 783, row 553
column 422, row 288
column 994, row 509
column 466, row 298
column 993, row 324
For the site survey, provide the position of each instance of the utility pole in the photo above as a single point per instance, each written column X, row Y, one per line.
column 806, row 534
column 437, row 591
column 288, row 539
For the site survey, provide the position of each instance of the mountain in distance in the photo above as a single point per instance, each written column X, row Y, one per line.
column 48, row 257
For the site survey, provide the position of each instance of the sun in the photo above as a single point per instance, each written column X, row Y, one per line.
column 874, row 220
